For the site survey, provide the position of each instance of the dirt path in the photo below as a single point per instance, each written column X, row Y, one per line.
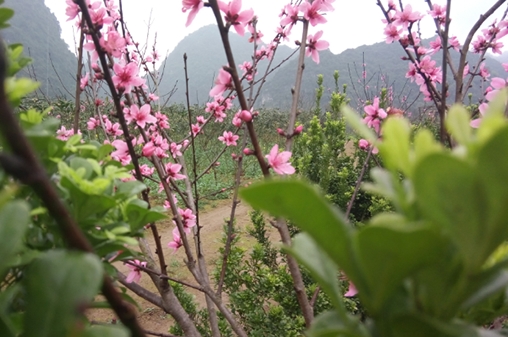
column 212, row 221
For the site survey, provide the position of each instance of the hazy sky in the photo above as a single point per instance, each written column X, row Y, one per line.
column 352, row 24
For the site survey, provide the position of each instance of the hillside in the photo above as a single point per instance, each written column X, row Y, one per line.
column 38, row 30
column 383, row 64
column 382, row 61
column 205, row 56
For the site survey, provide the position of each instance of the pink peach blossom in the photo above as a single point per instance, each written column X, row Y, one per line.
column 314, row 45
column 406, row 17
column 126, row 77
column 311, row 12
column 142, row 115
column 175, row 149
column 351, row 290
column 173, row 171
column 121, row 153
column 83, row 82
column 194, row 6
column 114, row 45
column 222, row 83
column 279, row 161
column 177, row 240
column 228, row 138
column 135, row 273
column 188, row 218
column 234, row 17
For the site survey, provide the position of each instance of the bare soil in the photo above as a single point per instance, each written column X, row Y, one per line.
column 212, row 220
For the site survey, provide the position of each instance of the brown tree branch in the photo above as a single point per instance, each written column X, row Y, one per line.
column 238, row 86
column 30, row 171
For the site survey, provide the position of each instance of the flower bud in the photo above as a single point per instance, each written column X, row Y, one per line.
column 363, row 144
column 248, row 152
column 281, row 132
column 298, row 130
column 246, row 116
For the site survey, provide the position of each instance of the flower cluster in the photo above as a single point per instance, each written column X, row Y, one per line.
column 313, row 13
column 374, row 116
column 400, row 26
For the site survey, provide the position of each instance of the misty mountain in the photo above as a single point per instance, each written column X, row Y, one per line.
column 38, row 30
column 383, row 66
column 205, row 56
column 381, row 63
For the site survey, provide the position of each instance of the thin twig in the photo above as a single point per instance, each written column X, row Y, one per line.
column 238, row 86
column 358, row 182
column 212, row 314
column 230, row 222
column 162, row 276
column 294, row 269
column 77, row 104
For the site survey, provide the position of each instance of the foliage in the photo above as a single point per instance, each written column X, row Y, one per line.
column 423, row 270
column 328, row 157
column 425, row 262
column 260, row 288
column 200, row 316
column 35, row 260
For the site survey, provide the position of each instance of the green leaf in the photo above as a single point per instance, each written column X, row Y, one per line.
column 139, row 215
column 58, row 285
column 120, row 230
column 356, row 122
column 128, row 240
column 310, row 211
column 395, row 145
column 47, row 128
column 424, row 144
column 31, row 117
column 457, row 122
column 17, row 88
column 85, row 203
column 104, row 151
column 14, row 220
column 439, row 287
column 84, row 166
column 8, row 192
column 106, row 331
column 114, row 172
column 130, row 188
column 322, row 268
column 5, row 15
column 329, row 324
column 383, row 185
column 493, row 118
column 487, row 283
column 8, row 326
column 97, row 205
column 79, row 177
column 492, row 167
column 390, row 253
column 73, row 140
column 420, row 326
column 449, row 195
